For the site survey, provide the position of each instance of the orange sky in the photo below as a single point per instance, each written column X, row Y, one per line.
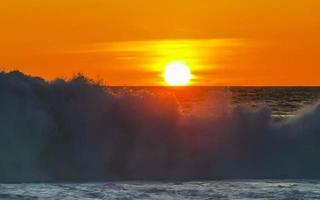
column 129, row 42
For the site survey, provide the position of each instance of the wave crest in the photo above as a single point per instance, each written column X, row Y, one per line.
column 78, row 130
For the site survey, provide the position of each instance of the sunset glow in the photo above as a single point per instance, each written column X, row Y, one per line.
column 128, row 42
column 167, row 99
column 177, row 74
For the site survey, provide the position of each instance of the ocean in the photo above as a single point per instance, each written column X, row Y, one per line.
column 77, row 139
column 284, row 102
column 202, row 190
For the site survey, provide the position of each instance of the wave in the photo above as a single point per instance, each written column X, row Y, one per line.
column 79, row 130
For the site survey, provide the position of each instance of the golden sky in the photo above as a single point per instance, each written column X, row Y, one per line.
column 129, row 42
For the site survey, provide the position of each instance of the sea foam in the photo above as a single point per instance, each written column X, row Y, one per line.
column 79, row 130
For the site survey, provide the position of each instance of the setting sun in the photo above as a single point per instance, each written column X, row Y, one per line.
column 177, row 74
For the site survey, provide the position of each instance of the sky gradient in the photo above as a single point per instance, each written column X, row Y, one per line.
column 129, row 42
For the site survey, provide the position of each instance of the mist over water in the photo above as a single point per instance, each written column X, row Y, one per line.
column 78, row 130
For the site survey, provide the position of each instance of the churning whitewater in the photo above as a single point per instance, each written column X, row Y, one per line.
column 78, row 130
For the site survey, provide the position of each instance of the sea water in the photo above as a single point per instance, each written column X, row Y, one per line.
column 283, row 102
column 230, row 189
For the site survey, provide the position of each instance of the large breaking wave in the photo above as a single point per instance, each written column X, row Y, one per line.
column 78, row 130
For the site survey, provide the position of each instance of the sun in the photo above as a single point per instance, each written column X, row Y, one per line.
column 177, row 74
